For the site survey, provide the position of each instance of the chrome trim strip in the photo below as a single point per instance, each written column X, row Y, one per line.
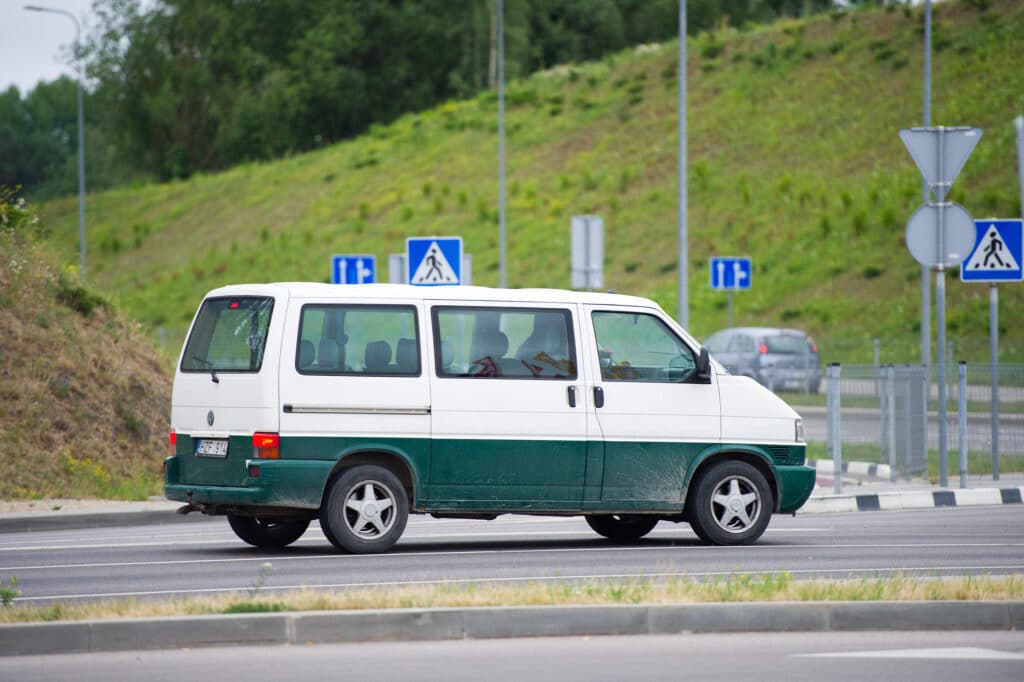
column 329, row 409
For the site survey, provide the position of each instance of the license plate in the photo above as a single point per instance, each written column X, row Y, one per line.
column 210, row 447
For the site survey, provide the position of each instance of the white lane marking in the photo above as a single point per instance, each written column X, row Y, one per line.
column 966, row 653
column 543, row 578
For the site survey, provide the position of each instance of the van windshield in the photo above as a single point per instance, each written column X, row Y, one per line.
column 229, row 335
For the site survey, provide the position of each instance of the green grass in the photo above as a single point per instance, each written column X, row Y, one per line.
column 794, row 160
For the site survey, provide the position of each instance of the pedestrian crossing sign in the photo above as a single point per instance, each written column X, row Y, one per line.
column 434, row 261
column 997, row 253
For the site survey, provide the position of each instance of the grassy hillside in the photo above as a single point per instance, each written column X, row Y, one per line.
column 794, row 160
column 85, row 394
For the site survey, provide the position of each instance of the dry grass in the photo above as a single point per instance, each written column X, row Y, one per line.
column 85, row 395
column 740, row 588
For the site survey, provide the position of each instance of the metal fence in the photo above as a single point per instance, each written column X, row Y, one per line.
column 889, row 416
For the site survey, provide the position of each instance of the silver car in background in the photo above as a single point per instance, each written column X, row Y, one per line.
column 780, row 359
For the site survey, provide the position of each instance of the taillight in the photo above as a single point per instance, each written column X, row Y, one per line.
column 174, row 442
column 763, row 350
column 266, row 445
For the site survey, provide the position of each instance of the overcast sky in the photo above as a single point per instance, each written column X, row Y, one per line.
column 34, row 45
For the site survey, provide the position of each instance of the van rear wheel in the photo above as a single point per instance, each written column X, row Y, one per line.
column 365, row 511
column 267, row 532
column 731, row 504
column 621, row 527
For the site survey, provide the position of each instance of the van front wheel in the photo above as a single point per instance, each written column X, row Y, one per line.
column 267, row 532
column 621, row 527
column 731, row 504
column 365, row 511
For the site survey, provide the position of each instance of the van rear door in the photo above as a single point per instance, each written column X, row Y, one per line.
column 225, row 389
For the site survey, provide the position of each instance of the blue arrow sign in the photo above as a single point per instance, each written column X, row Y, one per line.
column 434, row 261
column 353, row 269
column 997, row 254
column 731, row 273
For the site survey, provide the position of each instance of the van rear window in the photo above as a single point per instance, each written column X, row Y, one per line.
column 786, row 343
column 229, row 335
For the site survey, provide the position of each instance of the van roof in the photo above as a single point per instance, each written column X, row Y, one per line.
column 445, row 293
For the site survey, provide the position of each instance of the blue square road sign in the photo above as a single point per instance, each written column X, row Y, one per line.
column 731, row 273
column 998, row 252
column 353, row 269
column 434, row 261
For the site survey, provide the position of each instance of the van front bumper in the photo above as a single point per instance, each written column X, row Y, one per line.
column 796, row 483
column 280, row 483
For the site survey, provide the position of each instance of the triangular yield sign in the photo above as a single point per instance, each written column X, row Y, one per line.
column 957, row 145
column 434, row 268
column 991, row 255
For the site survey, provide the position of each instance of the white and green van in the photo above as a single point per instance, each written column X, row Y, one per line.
column 358, row 405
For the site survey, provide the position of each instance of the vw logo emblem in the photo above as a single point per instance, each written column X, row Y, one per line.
column 209, row 418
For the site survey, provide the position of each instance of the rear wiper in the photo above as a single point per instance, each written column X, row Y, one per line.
column 213, row 372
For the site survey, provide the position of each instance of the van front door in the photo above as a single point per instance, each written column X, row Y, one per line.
column 509, row 421
column 656, row 415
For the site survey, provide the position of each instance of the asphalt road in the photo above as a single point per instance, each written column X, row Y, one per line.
column 803, row 657
column 205, row 557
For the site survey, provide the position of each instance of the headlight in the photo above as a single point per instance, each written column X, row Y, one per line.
column 799, row 430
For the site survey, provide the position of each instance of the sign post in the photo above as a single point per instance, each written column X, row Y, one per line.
column 940, row 153
column 587, row 261
column 730, row 274
column 996, row 256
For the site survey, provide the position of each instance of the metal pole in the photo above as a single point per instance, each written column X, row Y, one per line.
column 835, row 427
column 940, row 326
column 875, row 358
column 81, row 133
column 729, row 299
column 890, row 390
column 993, row 331
column 926, row 305
column 1018, row 123
column 502, row 260
column 684, row 271
column 962, row 407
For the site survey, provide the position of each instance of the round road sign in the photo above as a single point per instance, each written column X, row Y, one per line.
column 923, row 235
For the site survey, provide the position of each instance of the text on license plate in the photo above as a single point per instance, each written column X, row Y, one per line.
column 212, row 447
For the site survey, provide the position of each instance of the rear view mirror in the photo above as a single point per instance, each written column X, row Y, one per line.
column 704, row 366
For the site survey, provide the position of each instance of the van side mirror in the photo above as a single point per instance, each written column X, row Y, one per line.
column 704, row 366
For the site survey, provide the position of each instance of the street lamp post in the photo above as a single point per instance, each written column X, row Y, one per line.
column 81, row 133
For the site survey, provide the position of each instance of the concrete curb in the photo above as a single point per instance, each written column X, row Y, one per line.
column 866, row 469
column 913, row 499
column 502, row 622
column 39, row 521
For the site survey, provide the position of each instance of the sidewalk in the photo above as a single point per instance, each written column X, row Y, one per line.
column 864, row 488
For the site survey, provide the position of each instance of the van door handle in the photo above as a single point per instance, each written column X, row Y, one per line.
column 572, row 396
column 598, row 396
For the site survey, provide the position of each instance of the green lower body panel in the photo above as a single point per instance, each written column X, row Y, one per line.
column 281, row 483
column 476, row 475
column 795, row 485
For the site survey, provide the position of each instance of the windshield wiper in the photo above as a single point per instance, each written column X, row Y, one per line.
column 213, row 372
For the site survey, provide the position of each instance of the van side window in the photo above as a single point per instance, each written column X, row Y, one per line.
column 358, row 340
column 229, row 335
column 514, row 343
column 640, row 347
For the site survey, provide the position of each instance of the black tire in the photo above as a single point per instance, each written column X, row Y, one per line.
column 355, row 523
column 730, row 504
column 267, row 532
column 621, row 527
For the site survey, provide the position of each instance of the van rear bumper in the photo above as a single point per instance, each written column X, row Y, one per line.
column 281, row 483
column 796, row 483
